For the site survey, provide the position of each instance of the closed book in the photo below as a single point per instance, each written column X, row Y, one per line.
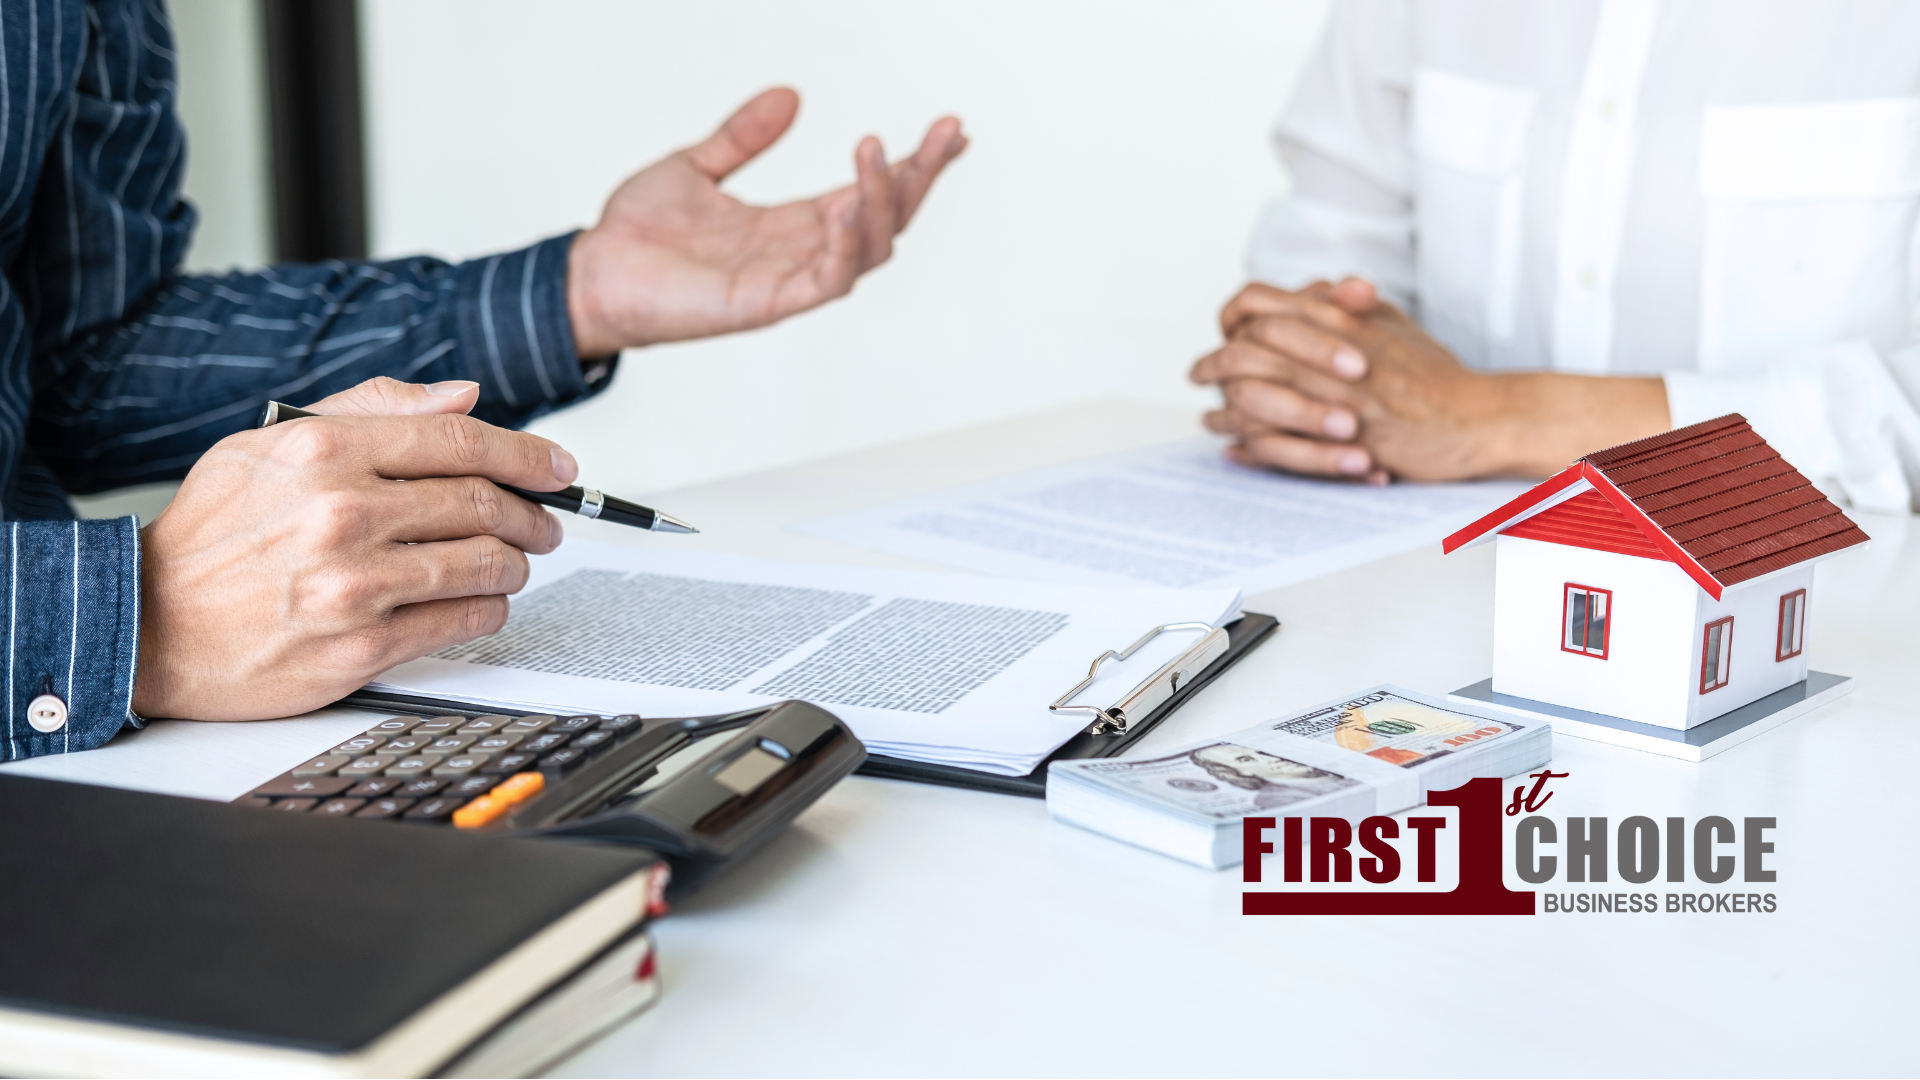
column 159, row 936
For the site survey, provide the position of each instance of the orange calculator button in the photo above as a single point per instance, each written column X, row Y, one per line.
column 518, row 788
column 481, row 811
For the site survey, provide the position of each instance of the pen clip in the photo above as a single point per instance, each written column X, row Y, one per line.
column 1156, row 688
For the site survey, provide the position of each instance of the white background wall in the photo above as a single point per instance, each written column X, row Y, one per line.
column 1080, row 248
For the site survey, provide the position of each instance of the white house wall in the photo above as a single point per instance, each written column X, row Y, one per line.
column 1651, row 671
column 1753, row 672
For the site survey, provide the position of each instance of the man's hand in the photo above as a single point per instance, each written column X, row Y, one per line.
column 673, row 258
column 294, row 564
column 1333, row 381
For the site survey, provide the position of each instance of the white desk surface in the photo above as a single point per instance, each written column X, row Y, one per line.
column 900, row 929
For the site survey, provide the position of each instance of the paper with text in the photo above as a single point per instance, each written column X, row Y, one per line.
column 1176, row 515
column 936, row 667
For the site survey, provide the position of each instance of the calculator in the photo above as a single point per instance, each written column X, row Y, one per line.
column 700, row 790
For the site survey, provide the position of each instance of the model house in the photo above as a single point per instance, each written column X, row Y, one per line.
column 1665, row 581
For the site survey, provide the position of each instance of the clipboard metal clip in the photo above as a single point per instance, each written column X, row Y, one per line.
column 1156, row 688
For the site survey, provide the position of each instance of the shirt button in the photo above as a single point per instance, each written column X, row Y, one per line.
column 1606, row 109
column 1586, row 276
column 47, row 713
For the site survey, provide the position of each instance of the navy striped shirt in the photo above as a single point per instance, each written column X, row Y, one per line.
column 117, row 369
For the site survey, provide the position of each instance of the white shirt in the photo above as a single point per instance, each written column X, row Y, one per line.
column 1721, row 192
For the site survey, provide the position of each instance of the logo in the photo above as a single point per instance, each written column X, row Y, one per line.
column 1401, row 863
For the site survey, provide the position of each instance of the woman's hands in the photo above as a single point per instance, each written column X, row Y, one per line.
column 1332, row 381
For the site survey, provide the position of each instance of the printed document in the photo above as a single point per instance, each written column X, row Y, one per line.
column 1176, row 515
column 936, row 667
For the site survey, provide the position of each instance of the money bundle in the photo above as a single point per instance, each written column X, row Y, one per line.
column 1377, row 752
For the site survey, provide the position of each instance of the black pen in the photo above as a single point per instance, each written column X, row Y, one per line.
column 586, row 502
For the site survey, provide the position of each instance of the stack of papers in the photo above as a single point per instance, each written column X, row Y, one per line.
column 943, row 668
column 1177, row 514
column 1377, row 752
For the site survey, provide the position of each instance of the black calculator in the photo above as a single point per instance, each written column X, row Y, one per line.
column 700, row 790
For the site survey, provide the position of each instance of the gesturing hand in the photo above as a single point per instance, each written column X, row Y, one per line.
column 294, row 564
column 673, row 258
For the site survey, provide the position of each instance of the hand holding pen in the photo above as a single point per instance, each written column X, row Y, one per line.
column 291, row 568
column 587, row 502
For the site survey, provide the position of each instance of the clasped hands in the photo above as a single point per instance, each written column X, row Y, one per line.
column 298, row 561
column 1331, row 380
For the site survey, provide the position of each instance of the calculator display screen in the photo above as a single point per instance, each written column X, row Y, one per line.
column 686, row 758
column 748, row 771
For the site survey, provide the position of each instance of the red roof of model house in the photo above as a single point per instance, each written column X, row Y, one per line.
column 1712, row 497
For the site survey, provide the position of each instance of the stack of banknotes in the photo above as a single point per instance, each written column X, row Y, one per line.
column 1377, row 752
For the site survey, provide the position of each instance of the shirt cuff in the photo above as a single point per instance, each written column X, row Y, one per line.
column 72, row 631
column 515, row 336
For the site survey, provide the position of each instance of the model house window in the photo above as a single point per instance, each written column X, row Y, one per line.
column 1585, row 620
column 1716, row 654
column 1793, row 624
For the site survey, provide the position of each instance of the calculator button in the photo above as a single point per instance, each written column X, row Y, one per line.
column 406, row 744
column 338, row 807
column 540, row 744
column 468, row 786
column 591, row 741
column 318, row 787
column 482, row 724
column 624, row 722
column 482, row 811
column 451, row 744
column 399, row 725
column 520, row 787
column 575, row 723
column 438, row 808
column 383, row 808
column 416, row 765
column 258, row 802
column 371, row 765
column 294, row 806
column 419, row 787
column 498, row 742
column 510, row 763
column 563, row 760
column 324, row 765
column 441, row 725
column 462, row 764
column 531, row 723
column 359, row 744
column 371, row 786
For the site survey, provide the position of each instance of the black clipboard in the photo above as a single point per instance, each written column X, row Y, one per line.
column 1101, row 739
column 1243, row 635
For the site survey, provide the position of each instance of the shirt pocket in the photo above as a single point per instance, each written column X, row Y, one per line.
column 1809, row 220
column 1469, row 145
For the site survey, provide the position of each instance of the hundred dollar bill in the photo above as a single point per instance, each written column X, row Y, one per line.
column 1395, row 729
column 1222, row 781
column 1377, row 751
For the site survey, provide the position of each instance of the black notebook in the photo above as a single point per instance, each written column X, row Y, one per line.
column 147, row 934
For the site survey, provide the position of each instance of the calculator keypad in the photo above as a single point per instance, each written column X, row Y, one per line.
column 406, row 744
column 464, row 770
column 382, row 808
